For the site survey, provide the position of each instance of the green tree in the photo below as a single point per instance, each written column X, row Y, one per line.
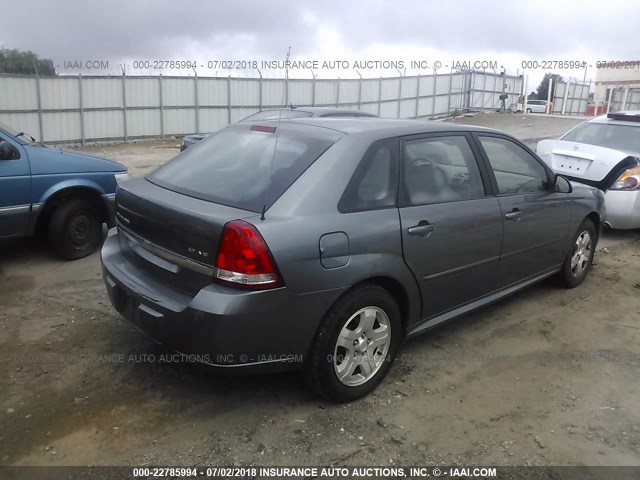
column 543, row 89
column 26, row 63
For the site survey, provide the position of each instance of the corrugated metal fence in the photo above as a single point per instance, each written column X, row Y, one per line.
column 98, row 108
column 625, row 99
column 571, row 98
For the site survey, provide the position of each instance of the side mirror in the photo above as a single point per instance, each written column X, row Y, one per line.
column 561, row 184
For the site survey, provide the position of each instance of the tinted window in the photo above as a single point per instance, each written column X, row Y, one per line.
column 275, row 115
column 374, row 184
column 440, row 169
column 237, row 166
column 8, row 151
column 515, row 169
column 619, row 137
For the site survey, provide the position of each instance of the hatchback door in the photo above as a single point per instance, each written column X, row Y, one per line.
column 15, row 189
column 172, row 221
column 451, row 230
column 535, row 217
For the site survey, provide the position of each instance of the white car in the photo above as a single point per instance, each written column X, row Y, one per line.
column 533, row 106
column 603, row 152
column 537, row 106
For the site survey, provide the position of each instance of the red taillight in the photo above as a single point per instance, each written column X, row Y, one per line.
column 244, row 258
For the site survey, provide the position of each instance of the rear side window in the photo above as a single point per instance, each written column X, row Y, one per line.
column 375, row 182
column 245, row 166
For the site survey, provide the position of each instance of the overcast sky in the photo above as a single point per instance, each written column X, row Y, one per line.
column 122, row 31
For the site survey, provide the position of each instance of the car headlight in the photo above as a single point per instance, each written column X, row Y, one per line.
column 629, row 180
column 122, row 176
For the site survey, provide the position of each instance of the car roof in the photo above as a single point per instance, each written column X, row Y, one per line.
column 630, row 123
column 384, row 126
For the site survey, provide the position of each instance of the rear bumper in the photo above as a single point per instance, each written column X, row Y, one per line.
column 623, row 209
column 234, row 330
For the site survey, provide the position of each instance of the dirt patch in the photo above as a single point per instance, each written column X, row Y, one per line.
column 140, row 157
column 547, row 377
column 530, row 129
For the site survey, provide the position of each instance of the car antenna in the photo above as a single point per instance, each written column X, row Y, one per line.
column 275, row 146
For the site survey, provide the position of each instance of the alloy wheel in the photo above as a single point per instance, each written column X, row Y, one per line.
column 581, row 254
column 362, row 346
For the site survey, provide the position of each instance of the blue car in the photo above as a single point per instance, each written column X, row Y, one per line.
column 63, row 194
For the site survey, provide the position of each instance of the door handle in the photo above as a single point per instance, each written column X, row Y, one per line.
column 513, row 215
column 423, row 229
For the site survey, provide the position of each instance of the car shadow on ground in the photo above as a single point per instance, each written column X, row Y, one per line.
column 152, row 366
column 33, row 250
column 25, row 249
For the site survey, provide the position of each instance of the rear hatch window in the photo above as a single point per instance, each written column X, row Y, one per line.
column 619, row 137
column 246, row 166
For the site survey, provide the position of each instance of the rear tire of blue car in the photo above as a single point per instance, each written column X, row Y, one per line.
column 355, row 344
column 75, row 229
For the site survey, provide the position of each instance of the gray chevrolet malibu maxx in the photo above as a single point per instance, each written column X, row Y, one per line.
column 322, row 244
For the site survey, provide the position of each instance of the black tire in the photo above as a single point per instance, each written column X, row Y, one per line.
column 75, row 229
column 572, row 276
column 320, row 369
column 528, row 110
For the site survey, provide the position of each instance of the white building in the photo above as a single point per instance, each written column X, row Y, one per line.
column 617, row 86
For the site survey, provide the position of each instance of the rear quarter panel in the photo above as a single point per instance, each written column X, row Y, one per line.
column 308, row 209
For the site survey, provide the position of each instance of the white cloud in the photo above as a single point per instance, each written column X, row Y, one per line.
column 506, row 31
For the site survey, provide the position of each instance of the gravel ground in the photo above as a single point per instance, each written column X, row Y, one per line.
column 546, row 377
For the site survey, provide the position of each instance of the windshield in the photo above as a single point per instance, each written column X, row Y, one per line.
column 237, row 166
column 609, row 135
